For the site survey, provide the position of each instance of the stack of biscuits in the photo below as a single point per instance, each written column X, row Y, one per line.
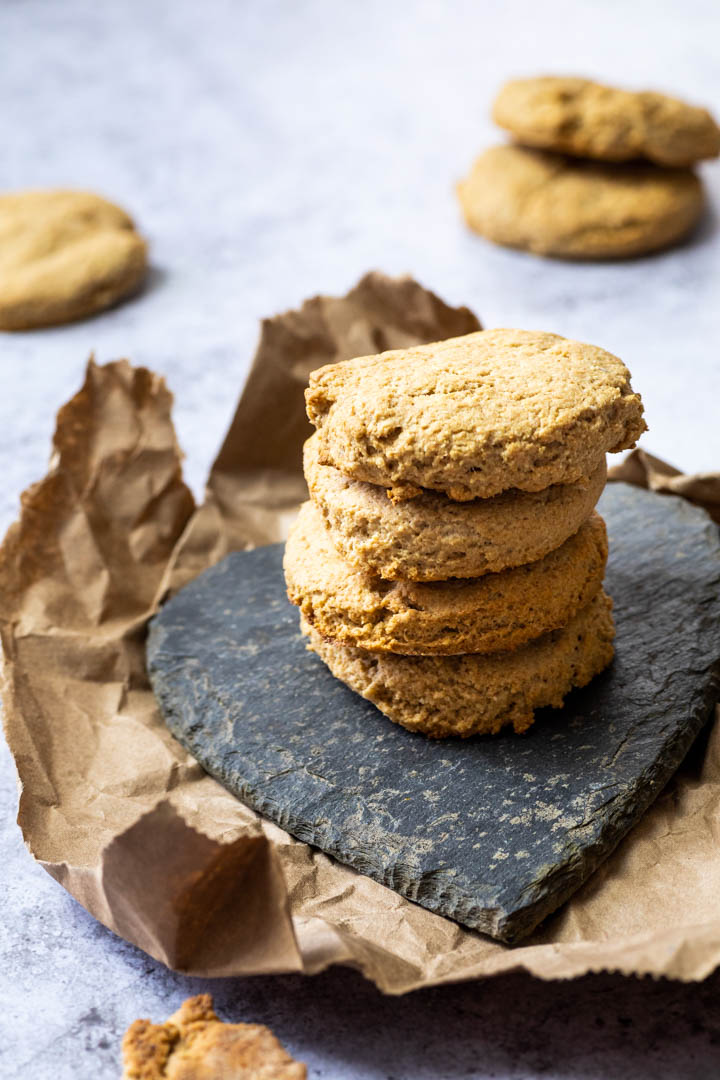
column 595, row 172
column 449, row 563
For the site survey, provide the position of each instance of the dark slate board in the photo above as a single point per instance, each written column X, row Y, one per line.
column 494, row 832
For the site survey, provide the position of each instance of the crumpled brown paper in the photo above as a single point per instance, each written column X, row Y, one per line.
column 644, row 470
column 119, row 813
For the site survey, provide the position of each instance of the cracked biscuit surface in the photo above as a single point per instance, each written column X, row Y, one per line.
column 64, row 255
column 578, row 116
column 477, row 694
column 493, row 613
column 195, row 1045
column 554, row 205
column 476, row 415
column 431, row 537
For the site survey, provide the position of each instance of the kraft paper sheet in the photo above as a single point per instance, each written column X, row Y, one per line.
column 118, row 812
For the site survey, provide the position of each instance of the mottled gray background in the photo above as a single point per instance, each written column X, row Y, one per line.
column 272, row 150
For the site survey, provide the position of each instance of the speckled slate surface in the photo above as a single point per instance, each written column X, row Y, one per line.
column 493, row 832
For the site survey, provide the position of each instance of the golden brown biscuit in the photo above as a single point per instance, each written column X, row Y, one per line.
column 64, row 255
column 477, row 694
column 431, row 537
column 476, row 415
column 560, row 206
column 489, row 614
column 577, row 116
column 195, row 1045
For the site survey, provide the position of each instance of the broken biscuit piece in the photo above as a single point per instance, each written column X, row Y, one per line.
column 194, row 1044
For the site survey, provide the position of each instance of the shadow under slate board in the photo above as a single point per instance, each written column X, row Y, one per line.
column 494, row 832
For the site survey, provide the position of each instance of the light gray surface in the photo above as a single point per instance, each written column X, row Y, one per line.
column 270, row 151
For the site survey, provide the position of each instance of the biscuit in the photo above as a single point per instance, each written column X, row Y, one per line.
column 195, row 1045
column 554, row 205
column 477, row 694
column 577, row 116
column 64, row 255
column 476, row 415
column 489, row 614
column 431, row 537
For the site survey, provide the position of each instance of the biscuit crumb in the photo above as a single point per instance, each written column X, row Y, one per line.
column 194, row 1044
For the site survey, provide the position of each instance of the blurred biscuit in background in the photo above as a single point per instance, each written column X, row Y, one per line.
column 551, row 204
column 64, row 255
column 587, row 119
column 594, row 172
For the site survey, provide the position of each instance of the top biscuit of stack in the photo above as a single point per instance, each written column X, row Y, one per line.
column 494, row 434
column 475, row 416
column 586, row 119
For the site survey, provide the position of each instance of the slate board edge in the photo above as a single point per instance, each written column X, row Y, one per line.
column 492, row 921
column 511, row 928
column 649, row 786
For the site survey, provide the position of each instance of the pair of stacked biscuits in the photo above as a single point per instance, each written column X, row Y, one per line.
column 595, row 172
column 449, row 563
